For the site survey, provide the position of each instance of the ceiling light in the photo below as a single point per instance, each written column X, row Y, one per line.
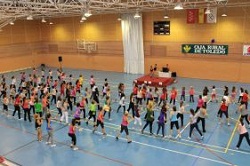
column 224, row 15
column 119, row 18
column 178, row 5
column 83, row 18
column 51, row 23
column 208, row 11
column 166, row 16
column 87, row 13
column 43, row 20
column 137, row 15
column 29, row 17
column 12, row 23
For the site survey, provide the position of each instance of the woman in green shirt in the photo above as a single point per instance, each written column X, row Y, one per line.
column 38, row 107
column 92, row 112
column 149, row 119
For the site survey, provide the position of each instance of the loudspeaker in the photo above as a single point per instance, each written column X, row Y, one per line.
column 60, row 59
column 173, row 74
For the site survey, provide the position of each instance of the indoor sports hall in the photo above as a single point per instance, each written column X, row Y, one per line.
column 82, row 82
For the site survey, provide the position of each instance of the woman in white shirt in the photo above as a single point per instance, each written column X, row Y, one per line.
column 243, row 133
column 122, row 103
column 65, row 113
column 193, row 124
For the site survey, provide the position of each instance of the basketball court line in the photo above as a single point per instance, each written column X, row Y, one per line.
column 165, row 149
column 30, row 133
column 169, row 150
column 117, row 127
column 232, row 135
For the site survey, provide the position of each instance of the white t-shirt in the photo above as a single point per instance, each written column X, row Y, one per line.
column 193, row 119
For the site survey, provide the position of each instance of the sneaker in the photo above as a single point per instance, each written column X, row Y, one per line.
column 20, row 119
column 219, row 123
column 104, row 133
column 116, row 138
column 53, row 145
column 142, row 131
column 75, row 148
column 110, row 119
column 189, row 137
column 179, row 136
column 47, row 143
column 87, row 123
column 129, row 142
column 228, row 124
column 170, row 136
column 202, row 137
column 71, row 145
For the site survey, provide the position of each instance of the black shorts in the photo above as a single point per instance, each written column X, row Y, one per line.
column 124, row 128
column 100, row 123
column 78, row 119
column 223, row 112
column 174, row 123
column 5, row 107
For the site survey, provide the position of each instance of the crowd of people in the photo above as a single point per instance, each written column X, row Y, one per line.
column 36, row 92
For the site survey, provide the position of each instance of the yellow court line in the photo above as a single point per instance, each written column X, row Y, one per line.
column 183, row 143
column 232, row 135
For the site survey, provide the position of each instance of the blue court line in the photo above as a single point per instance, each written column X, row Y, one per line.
column 165, row 149
column 210, row 150
column 86, row 151
column 216, row 147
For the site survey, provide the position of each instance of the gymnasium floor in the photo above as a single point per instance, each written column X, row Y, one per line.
column 18, row 141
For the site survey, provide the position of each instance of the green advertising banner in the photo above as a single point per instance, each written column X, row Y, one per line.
column 204, row 49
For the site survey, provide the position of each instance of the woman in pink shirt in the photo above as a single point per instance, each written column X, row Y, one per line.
column 173, row 95
column 243, row 133
column 124, row 126
column 73, row 94
column 71, row 133
column 199, row 104
column 26, row 108
column 100, row 121
column 92, row 81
